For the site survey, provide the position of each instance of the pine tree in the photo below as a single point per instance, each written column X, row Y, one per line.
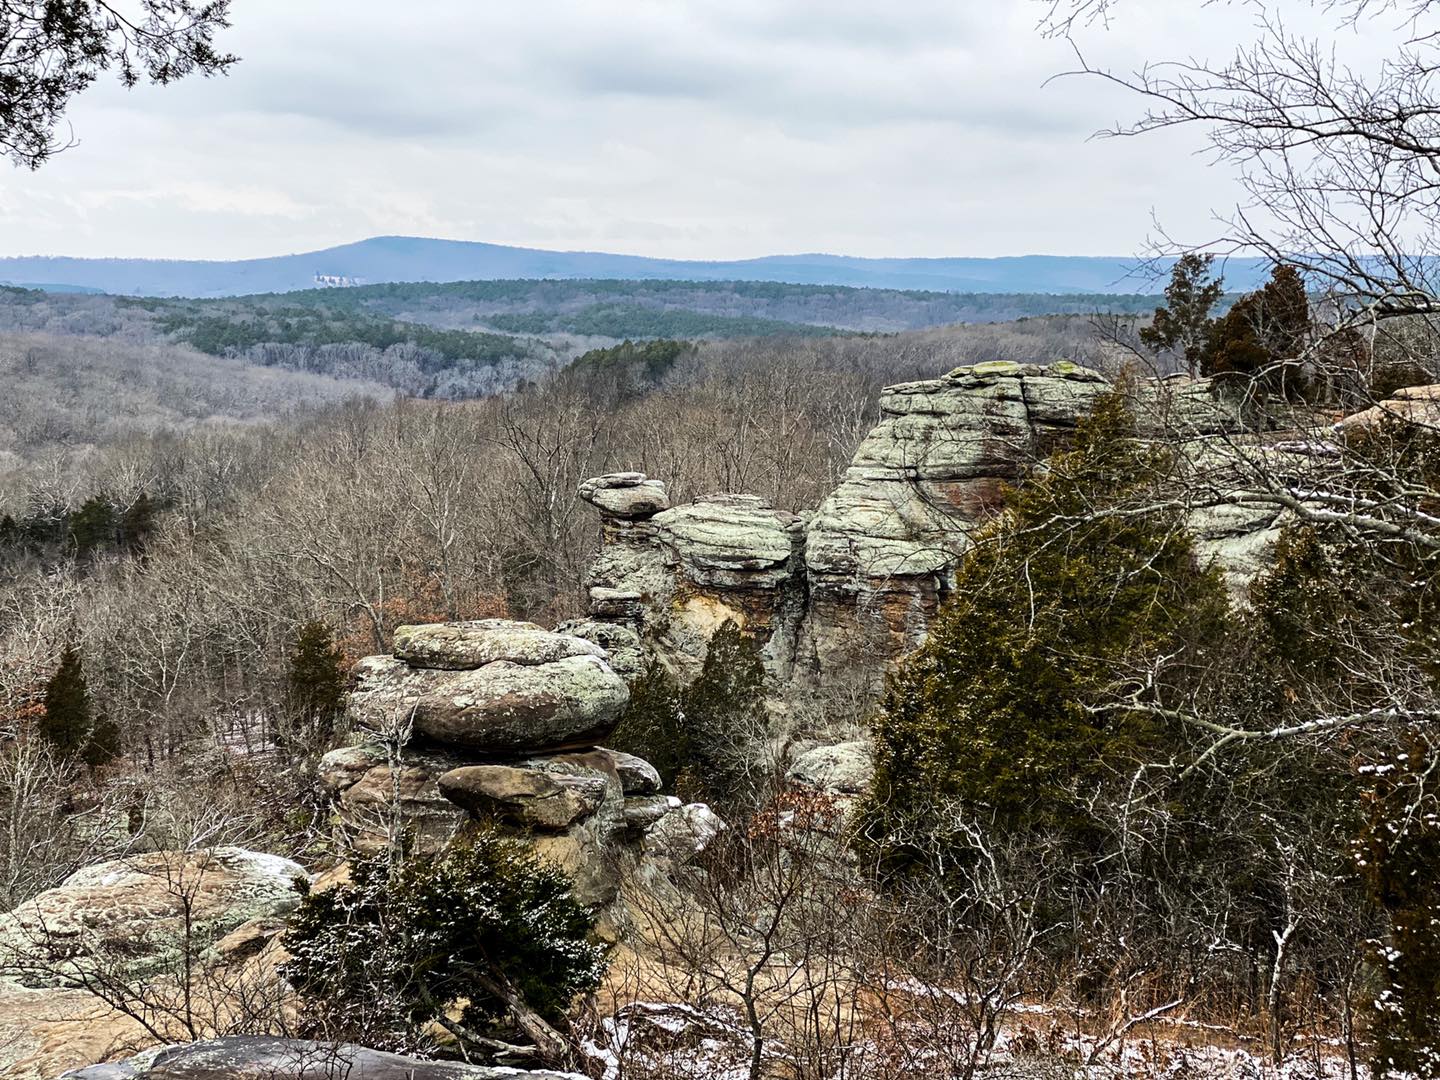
column 1050, row 604
column 136, row 524
column 67, row 720
column 1182, row 324
column 315, row 682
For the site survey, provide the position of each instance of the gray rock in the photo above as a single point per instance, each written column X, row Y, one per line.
column 469, row 645
column 343, row 767
column 522, row 796
column 509, row 708
column 637, row 776
column 844, row 769
column 238, row 1056
column 622, row 645
column 642, row 811
column 683, row 833
column 128, row 916
column 631, row 496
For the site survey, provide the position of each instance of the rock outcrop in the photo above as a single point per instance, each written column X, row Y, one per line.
column 672, row 577
column 291, row 1059
column 835, row 595
column 1410, row 405
column 498, row 721
column 124, row 923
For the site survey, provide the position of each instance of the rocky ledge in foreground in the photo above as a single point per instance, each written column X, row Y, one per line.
column 290, row 1059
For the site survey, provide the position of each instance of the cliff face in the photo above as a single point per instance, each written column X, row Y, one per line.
column 858, row 580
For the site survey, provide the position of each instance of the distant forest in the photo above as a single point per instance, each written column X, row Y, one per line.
column 473, row 339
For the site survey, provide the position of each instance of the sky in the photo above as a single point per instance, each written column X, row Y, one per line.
column 710, row 129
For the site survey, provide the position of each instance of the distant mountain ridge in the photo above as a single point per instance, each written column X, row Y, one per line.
column 411, row 259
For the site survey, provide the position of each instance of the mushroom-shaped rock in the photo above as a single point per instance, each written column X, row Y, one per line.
column 511, row 708
column 530, row 797
column 467, row 645
column 637, row 776
column 631, row 496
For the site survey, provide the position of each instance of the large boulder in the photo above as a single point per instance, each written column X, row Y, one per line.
column 236, row 1057
column 881, row 548
column 511, row 708
column 844, row 769
column 466, row 645
column 139, row 916
column 629, row 496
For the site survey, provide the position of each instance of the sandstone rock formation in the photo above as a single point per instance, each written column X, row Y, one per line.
column 499, row 721
column 291, row 1059
column 673, row 577
column 1410, row 404
column 860, row 580
column 843, row 769
column 124, row 923
column 133, row 914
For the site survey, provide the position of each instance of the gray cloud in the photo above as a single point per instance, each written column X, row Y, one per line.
column 685, row 128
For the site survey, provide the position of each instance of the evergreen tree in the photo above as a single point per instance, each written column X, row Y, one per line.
column 1052, row 603
column 315, row 683
column 136, row 524
column 1263, row 329
column 67, row 720
column 1182, row 324
column 104, row 745
column 92, row 527
column 386, row 955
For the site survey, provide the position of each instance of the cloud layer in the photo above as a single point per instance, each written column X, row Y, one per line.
column 679, row 128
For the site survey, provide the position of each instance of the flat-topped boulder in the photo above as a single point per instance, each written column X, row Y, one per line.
column 466, row 645
column 629, row 496
column 490, row 687
column 533, row 797
column 724, row 540
column 130, row 916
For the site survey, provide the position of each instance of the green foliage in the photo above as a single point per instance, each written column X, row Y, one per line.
column 695, row 735
column 1182, row 324
column 315, row 682
column 621, row 320
column 653, row 725
column 1052, row 603
column 99, row 526
column 381, row 957
column 68, row 718
column 643, row 363
column 722, row 709
column 1260, row 331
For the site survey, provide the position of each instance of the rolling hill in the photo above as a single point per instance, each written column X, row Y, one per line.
column 412, row 259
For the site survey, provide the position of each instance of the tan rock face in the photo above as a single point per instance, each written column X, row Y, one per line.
column 523, row 796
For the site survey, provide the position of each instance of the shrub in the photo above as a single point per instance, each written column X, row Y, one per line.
column 485, row 923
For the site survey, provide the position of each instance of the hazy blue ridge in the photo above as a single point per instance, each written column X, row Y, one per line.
column 413, row 259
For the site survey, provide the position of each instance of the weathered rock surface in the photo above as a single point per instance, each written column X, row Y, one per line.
column 501, row 721
column 272, row 1058
column 510, row 708
column 631, row 496
column 1410, row 405
column 467, row 645
column 130, row 914
column 683, row 834
column 843, row 769
column 530, row 797
column 880, row 550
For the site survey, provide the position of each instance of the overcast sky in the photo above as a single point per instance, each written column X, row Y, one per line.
column 681, row 128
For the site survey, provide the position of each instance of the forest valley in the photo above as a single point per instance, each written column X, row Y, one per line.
column 711, row 709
